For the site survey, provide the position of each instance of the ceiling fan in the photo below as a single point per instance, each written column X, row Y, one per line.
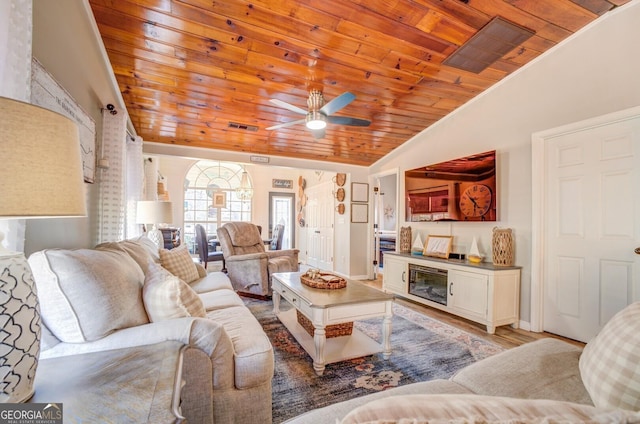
column 320, row 113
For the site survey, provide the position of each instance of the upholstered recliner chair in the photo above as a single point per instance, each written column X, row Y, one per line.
column 249, row 265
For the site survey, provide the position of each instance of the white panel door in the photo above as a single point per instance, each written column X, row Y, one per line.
column 592, row 227
column 319, row 216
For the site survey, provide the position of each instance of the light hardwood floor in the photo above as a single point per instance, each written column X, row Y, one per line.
column 505, row 336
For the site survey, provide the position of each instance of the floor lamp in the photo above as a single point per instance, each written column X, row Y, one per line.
column 40, row 177
column 154, row 212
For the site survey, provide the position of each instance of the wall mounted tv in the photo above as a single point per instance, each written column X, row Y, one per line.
column 461, row 189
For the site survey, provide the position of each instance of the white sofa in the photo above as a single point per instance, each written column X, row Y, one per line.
column 547, row 381
column 116, row 296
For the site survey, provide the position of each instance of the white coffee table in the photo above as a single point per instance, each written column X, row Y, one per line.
column 323, row 308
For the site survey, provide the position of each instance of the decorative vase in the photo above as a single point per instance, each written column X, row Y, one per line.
column 503, row 247
column 20, row 320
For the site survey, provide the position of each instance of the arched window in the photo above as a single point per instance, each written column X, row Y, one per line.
column 209, row 184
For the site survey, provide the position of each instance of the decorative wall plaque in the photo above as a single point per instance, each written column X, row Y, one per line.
column 276, row 183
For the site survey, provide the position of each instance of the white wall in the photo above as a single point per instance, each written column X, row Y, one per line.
column 593, row 73
column 64, row 42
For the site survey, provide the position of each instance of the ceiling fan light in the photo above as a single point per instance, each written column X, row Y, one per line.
column 315, row 121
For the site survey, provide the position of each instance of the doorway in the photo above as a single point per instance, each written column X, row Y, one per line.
column 385, row 217
column 281, row 211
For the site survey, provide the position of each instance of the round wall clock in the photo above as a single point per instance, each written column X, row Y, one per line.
column 475, row 201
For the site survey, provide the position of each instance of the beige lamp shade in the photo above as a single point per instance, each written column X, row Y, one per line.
column 154, row 212
column 41, row 172
column 40, row 176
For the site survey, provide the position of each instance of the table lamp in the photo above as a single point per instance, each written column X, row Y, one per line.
column 154, row 212
column 40, row 177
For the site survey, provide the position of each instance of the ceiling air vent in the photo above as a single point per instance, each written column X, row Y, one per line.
column 493, row 41
column 240, row 126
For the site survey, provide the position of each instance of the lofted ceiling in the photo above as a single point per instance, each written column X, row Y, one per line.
column 201, row 73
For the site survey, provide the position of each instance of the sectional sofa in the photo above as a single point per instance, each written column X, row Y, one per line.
column 117, row 297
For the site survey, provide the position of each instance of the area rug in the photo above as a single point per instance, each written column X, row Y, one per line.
column 423, row 349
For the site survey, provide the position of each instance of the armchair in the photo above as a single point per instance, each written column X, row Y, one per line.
column 249, row 265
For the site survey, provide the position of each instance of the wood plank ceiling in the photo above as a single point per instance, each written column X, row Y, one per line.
column 201, row 72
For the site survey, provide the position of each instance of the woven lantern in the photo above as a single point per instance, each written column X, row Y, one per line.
column 503, row 247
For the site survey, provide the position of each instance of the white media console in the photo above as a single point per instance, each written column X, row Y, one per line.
column 483, row 293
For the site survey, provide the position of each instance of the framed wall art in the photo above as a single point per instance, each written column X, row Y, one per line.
column 359, row 192
column 438, row 246
column 220, row 199
column 359, row 212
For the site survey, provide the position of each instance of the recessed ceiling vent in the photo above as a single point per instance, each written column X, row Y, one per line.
column 493, row 41
column 240, row 126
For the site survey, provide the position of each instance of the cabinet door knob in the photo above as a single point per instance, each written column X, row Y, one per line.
column 404, row 275
column 451, row 288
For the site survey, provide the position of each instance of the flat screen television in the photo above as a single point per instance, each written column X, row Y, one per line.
column 462, row 189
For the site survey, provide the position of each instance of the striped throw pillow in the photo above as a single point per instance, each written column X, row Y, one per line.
column 178, row 261
column 167, row 297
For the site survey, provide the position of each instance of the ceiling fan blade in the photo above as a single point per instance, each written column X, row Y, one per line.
column 288, row 106
column 338, row 103
column 318, row 133
column 285, row 125
column 346, row 120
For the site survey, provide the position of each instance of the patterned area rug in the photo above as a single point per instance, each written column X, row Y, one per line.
column 423, row 349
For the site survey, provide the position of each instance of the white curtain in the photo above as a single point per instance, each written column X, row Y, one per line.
column 150, row 191
column 135, row 183
column 16, row 28
column 112, row 199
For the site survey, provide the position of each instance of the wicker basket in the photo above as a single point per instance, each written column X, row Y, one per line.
column 319, row 283
column 336, row 330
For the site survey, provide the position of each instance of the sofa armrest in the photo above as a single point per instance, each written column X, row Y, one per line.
column 544, row 369
column 199, row 333
column 248, row 273
column 287, row 252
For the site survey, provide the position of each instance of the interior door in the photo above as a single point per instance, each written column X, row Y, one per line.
column 319, row 215
column 592, row 227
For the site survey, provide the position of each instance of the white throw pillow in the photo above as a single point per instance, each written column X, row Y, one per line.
column 141, row 250
column 178, row 261
column 86, row 294
column 610, row 363
column 168, row 297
